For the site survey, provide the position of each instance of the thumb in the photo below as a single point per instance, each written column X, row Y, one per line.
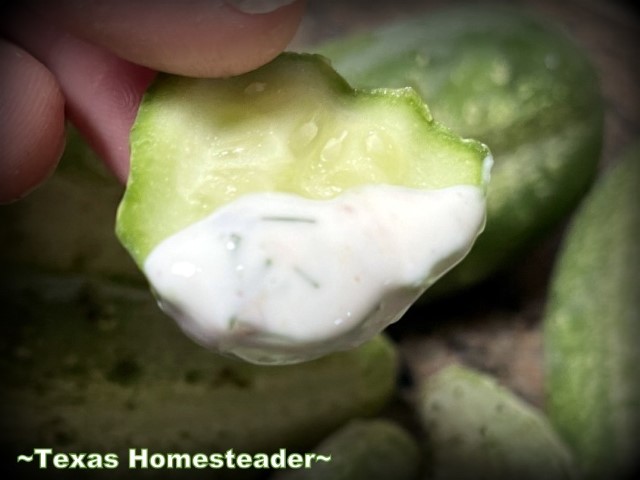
column 103, row 91
column 203, row 38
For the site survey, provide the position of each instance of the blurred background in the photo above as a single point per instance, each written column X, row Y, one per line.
column 145, row 375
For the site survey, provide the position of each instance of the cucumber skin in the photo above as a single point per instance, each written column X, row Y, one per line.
column 91, row 365
column 477, row 429
column 592, row 325
column 375, row 449
column 499, row 76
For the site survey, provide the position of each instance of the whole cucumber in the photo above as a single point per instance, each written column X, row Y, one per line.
column 507, row 79
column 592, row 326
column 477, row 429
column 66, row 225
column 364, row 450
column 91, row 365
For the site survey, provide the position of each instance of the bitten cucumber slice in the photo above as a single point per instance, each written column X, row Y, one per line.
column 592, row 327
column 506, row 78
column 281, row 214
column 293, row 126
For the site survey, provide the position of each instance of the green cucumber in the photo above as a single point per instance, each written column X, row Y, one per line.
column 363, row 450
column 478, row 429
column 291, row 126
column 507, row 79
column 92, row 365
column 592, row 327
column 66, row 225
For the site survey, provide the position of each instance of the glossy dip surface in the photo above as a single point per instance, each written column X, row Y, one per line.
column 278, row 278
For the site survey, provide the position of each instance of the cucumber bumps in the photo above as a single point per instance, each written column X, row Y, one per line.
column 281, row 215
column 592, row 326
column 505, row 78
column 478, row 429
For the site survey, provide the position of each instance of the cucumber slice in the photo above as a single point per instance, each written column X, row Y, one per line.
column 260, row 195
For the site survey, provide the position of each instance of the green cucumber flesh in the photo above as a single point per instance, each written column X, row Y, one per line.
column 291, row 126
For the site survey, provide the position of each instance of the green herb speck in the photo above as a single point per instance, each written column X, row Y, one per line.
column 305, row 276
column 288, row 219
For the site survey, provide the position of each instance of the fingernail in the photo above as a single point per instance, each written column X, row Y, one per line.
column 258, row 6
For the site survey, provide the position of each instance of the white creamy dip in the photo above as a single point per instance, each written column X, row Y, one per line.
column 277, row 278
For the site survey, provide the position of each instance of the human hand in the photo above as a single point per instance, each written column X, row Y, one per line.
column 90, row 61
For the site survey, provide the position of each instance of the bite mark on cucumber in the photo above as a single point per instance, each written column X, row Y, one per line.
column 351, row 198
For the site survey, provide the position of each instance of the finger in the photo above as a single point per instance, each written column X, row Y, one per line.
column 195, row 38
column 102, row 91
column 31, row 122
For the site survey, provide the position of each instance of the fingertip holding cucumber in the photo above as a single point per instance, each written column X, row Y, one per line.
column 281, row 215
